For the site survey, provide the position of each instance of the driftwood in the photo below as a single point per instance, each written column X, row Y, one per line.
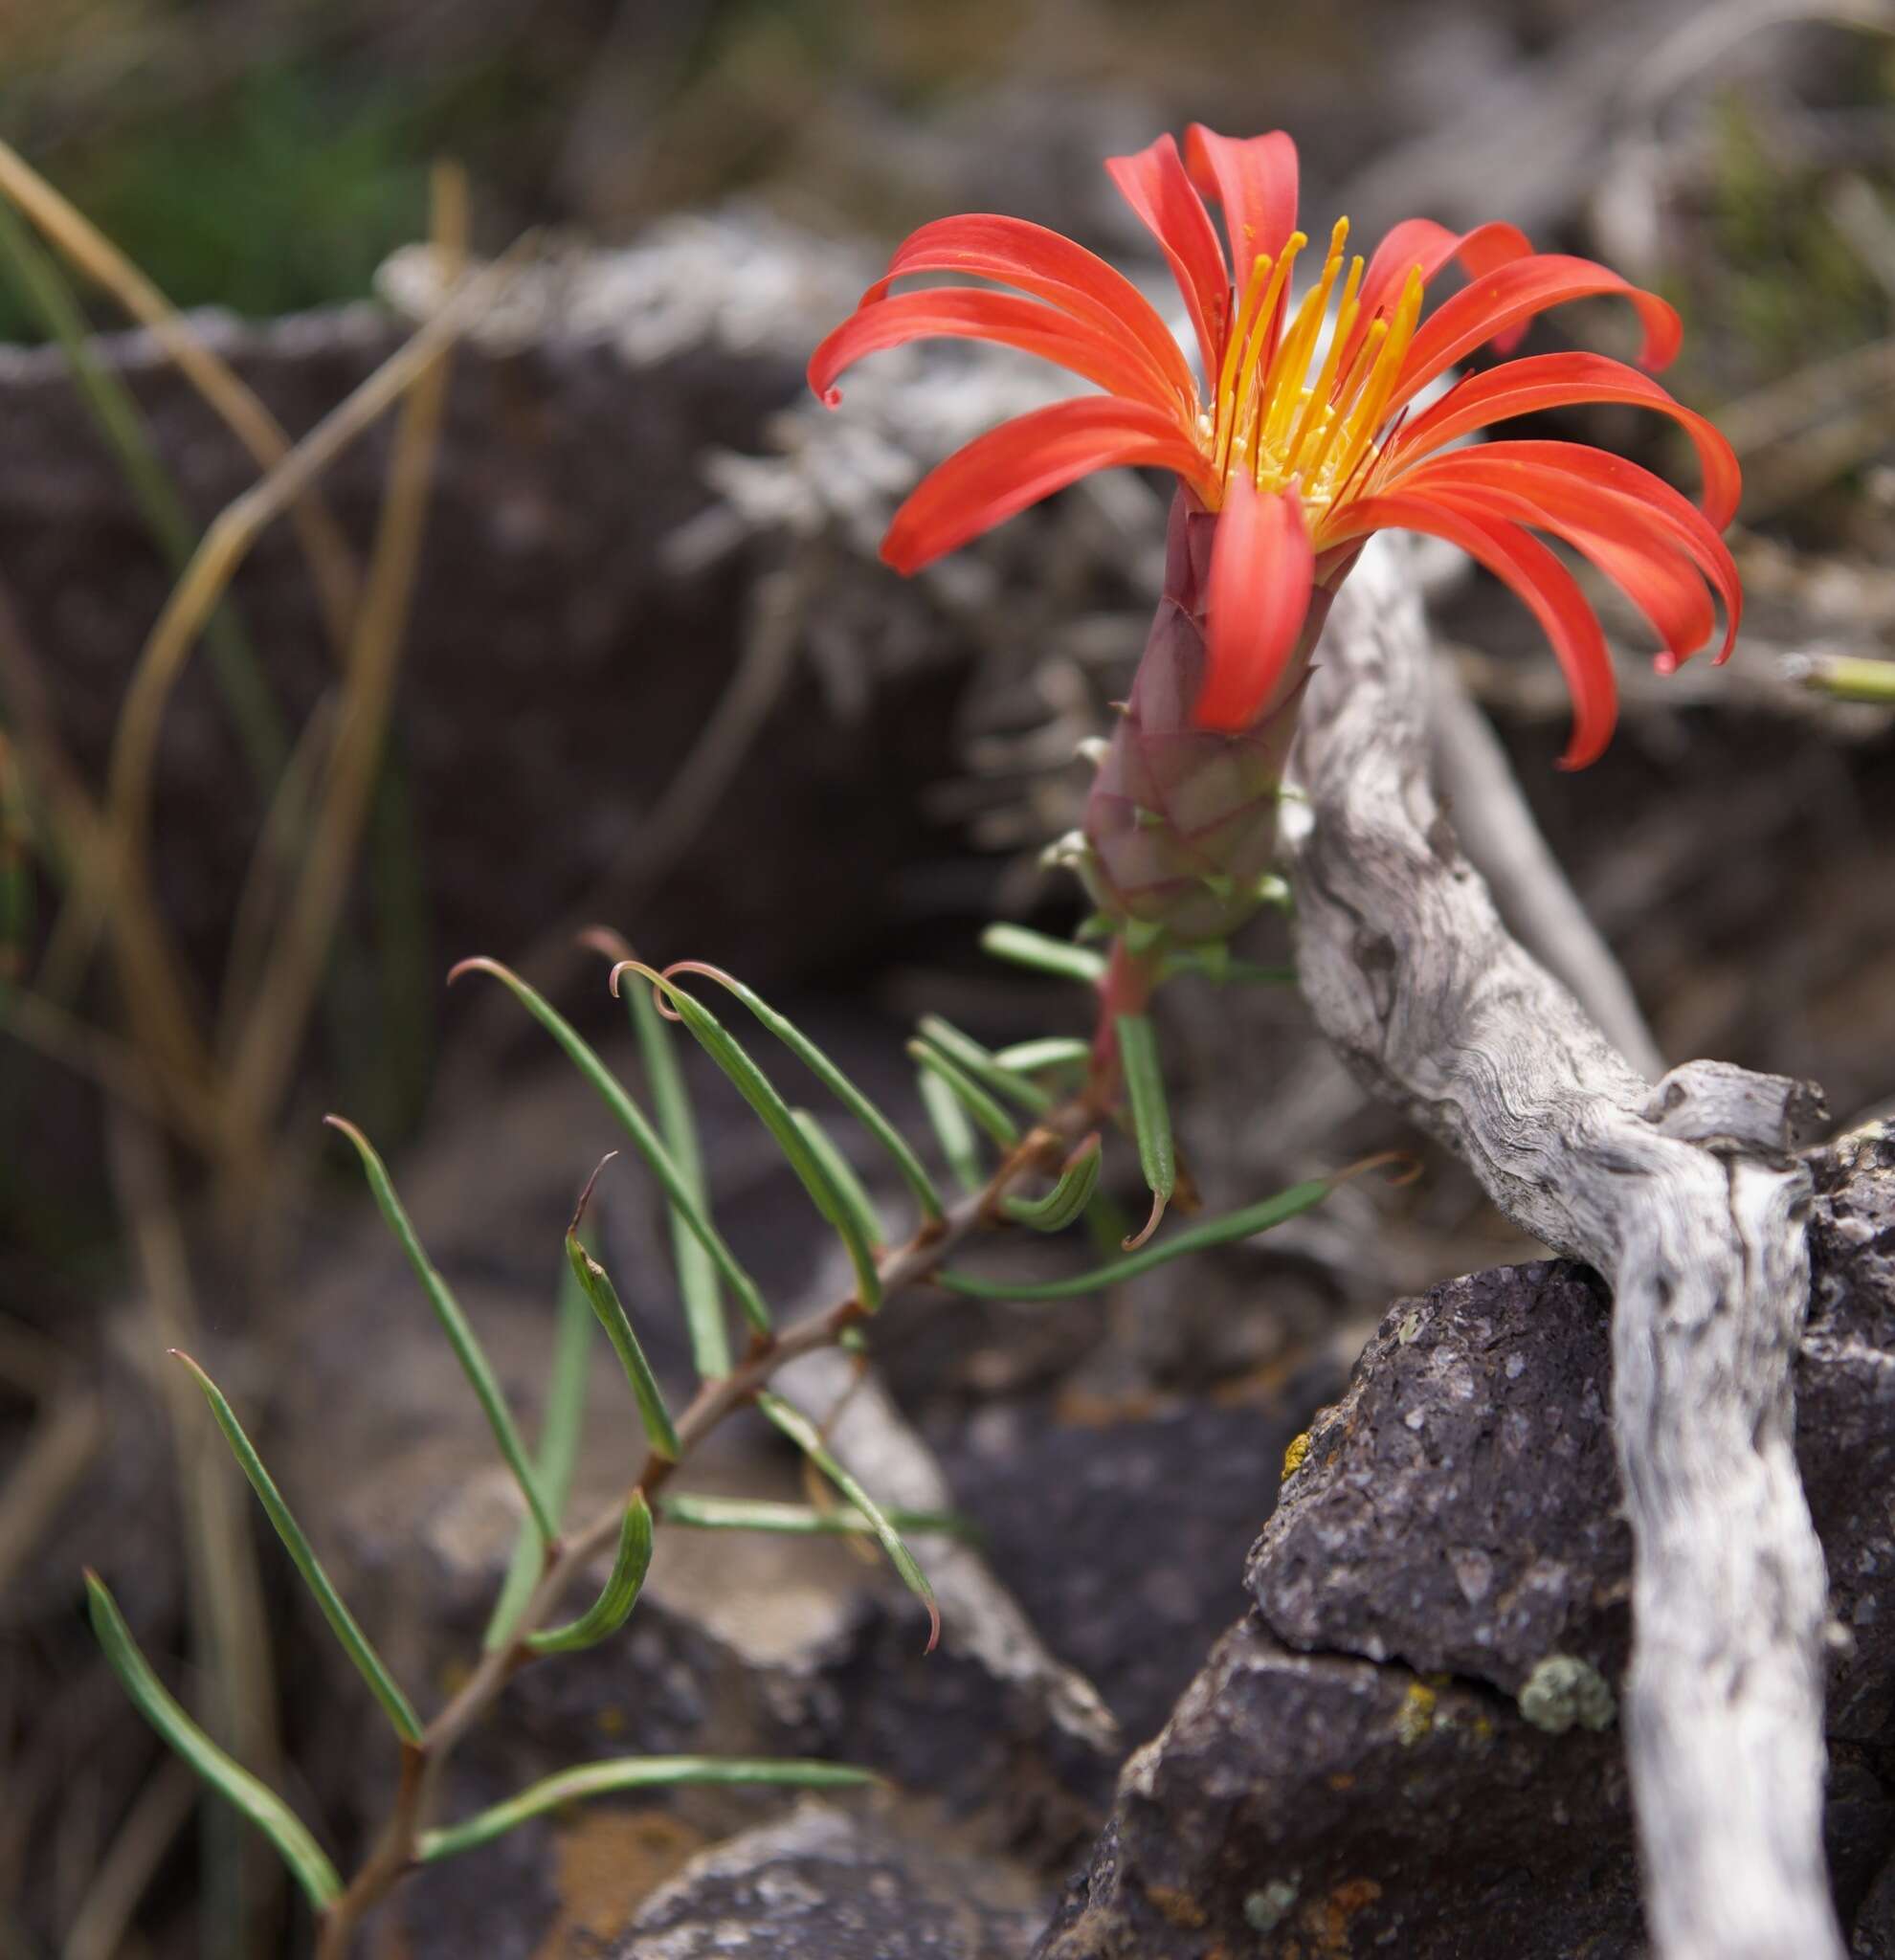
column 1685, row 1198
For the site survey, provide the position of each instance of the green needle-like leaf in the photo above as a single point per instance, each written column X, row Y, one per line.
column 467, row 1348
column 234, row 1783
column 1052, row 1050
column 557, row 1452
column 842, row 1173
column 644, row 1138
column 697, row 1274
column 1079, row 1179
column 342, row 1622
column 1151, row 1114
column 952, row 1130
column 758, row 1090
column 966, row 1053
column 660, row 1432
column 807, row 1438
column 634, row 1773
column 614, row 1606
column 701, row 1513
column 1215, row 963
column 968, row 1094
column 832, row 1078
column 1025, row 948
column 1207, row 1233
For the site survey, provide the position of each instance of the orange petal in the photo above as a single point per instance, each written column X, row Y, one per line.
column 1512, row 294
column 976, row 313
column 1420, row 242
column 1017, row 465
column 1154, row 183
column 1652, row 572
column 1051, row 267
column 1255, row 179
column 1554, row 381
column 1256, row 601
column 1532, row 571
column 1603, row 491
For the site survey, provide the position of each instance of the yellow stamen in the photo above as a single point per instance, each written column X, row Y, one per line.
column 1317, row 407
column 1282, row 385
column 1365, row 357
column 1259, row 330
column 1365, row 419
column 1240, row 328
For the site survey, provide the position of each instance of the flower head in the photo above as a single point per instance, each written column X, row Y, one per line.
column 1295, row 431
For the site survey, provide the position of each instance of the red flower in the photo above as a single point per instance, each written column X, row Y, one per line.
column 1303, row 442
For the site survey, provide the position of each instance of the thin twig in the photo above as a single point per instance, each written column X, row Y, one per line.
column 422, row 1765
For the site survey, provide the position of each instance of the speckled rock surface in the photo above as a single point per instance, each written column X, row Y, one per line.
column 1455, row 1511
column 1314, row 1795
column 823, row 1885
column 1307, row 1805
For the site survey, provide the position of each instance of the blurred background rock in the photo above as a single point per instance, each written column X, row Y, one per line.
column 653, row 675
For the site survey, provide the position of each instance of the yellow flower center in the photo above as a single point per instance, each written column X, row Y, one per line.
column 1272, row 416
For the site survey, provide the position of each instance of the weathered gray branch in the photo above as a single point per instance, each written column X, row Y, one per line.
column 1685, row 1198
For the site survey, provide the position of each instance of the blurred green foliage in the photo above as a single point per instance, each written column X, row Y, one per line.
column 285, row 191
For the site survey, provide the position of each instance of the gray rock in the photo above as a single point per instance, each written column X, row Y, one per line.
column 1457, row 1511
column 825, row 1885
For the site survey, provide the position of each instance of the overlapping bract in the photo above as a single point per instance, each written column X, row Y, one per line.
column 1300, row 440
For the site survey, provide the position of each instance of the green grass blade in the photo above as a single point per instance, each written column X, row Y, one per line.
column 697, row 1274
column 635, row 1772
column 466, row 1345
column 838, row 1085
column 355, row 1644
column 968, row 1094
column 644, row 1138
column 1151, row 1113
column 952, row 1130
column 234, row 1783
column 842, row 1174
column 966, row 1054
column 556, row 1456
column 1025, row 948
column 774, row 1114
column 1079, row 1179
column 807, row 1438
column 1207, row 1233
column 696, row 1513
column 614, row 1606
column 660, row 1432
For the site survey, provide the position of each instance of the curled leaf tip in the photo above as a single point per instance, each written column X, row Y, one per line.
column 1409, row 1167
column 346, row 1127
column 586, row 1196
column 1151, row 1225
column 933, row 1629
column 480, row 963
column 659, row 990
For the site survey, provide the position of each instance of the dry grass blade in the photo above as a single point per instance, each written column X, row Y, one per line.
column 155, row 1819
column 331, row 562
column 265, row 1049
column 103, row 1058
column 230, row 1625
column 157, row 999
column 229, row 540
column 59, row 1452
